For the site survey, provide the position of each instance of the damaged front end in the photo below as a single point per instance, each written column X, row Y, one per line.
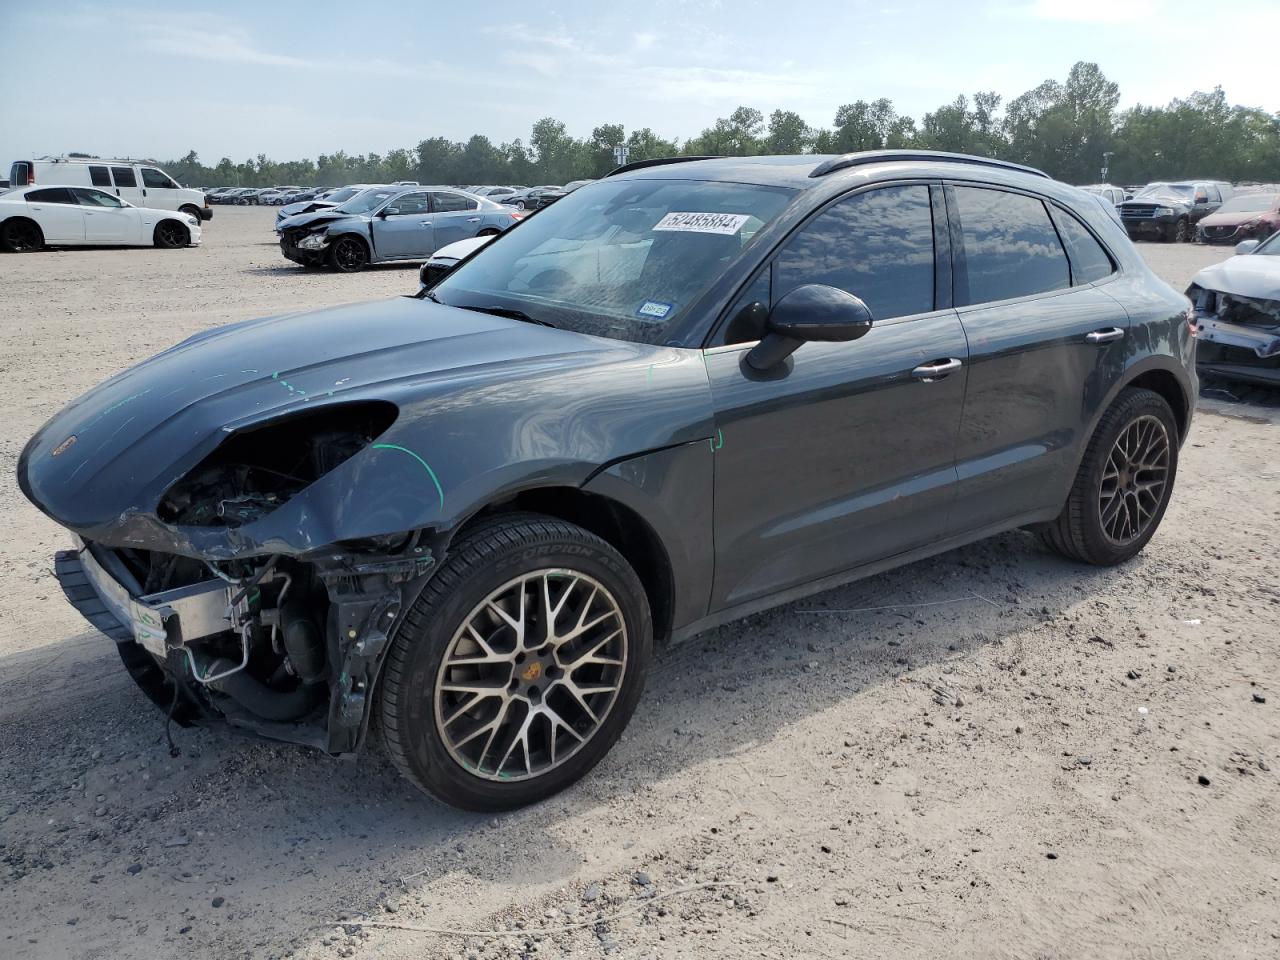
column 1238, row 335
column 285, row 647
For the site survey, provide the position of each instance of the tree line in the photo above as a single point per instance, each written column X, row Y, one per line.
column 1070, row 130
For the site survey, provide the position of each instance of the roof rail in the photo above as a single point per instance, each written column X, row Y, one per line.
column 885, row 156
column 655, row 162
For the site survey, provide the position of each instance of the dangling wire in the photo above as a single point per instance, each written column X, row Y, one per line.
column 168, row 721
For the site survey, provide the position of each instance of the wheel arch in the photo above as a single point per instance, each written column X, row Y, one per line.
column 622, row 527
column 1166, row 384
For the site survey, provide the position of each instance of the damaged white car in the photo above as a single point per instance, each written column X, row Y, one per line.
column 1237, row 304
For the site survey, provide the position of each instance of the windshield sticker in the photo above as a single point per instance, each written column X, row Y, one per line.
column 723, row 223
column 654, row 310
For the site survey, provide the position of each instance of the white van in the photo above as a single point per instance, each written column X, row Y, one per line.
column 142, row 184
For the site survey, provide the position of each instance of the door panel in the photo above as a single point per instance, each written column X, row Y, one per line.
column 844, row 460
column 1035, row 383
column 127, row 185
column 59, row 216
column 408, row 233
column 453, row 224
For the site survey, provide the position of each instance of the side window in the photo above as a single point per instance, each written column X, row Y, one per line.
column 95, row 198
column 409, row 204
column 1089, row 262
column 1010, row 247
column 124, row 176
column 99, row 176
column 1214, row 195
column 877, row 245
column 154, row 178
column 51, row 195
column 452, row 202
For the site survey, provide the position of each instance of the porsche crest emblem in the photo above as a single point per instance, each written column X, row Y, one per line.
column 532, row 672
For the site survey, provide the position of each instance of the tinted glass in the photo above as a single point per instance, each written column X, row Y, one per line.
column 95, row 198
column 99, row 176
column 51, row 195
column 1089, row 262
column 367, row 201
column 154, row 178
column 876, row 245
column 410, row 203
column 124, row 176
column 625, row 259
column 1010, row 246
column 449, row 202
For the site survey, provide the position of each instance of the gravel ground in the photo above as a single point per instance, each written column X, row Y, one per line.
column 1009, row 756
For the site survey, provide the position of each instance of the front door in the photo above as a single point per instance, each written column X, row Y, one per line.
column 404, row 228
column 1046, row 347
column 106, row 219
column 845, row 453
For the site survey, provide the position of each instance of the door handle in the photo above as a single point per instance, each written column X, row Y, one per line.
column 1105, row 335
column 424, row 223
column 936, row 369
column 473, row 219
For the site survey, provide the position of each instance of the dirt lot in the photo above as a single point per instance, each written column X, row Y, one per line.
column 1007, row 756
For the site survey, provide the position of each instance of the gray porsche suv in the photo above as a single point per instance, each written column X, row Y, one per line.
column 692, row 390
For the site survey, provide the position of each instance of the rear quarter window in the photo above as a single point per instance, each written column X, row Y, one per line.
column 1089, row 261
column 51, row 195
column 124, row 176
column 1010, row 247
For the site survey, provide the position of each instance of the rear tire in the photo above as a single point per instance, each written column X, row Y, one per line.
column 1123, row 485
column 170, row 234
column 348, row 254
column 568, row 691
column 20, row 235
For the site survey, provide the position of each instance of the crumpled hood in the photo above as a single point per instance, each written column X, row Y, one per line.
column 117, row 448
column 304, row 206
column 316, row 218
column 1251, row 275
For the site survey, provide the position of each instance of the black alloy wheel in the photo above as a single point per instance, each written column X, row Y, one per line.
column 348, row 254
column 21, row 236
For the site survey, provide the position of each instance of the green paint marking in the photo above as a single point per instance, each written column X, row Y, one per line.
column 718, row 442
column 649, row 375
column 425, row 466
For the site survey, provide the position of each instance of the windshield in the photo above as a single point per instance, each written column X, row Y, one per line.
column 367, row 201
column 622, row 259
column 1251, row 203
column 1270, row 247
column 1167, row 190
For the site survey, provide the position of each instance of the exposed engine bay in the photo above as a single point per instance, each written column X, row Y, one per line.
column 1239, row 335
column 276, row 646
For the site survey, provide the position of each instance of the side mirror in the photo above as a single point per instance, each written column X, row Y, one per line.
column 814, row 311
column 389, row 212
column 1246, row 246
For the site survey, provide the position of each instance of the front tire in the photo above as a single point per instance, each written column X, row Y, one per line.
column 1123, row 485
column 190, row 211
column 170, row 235
column 518, row 666
column 348, row 254
column 1181, row 232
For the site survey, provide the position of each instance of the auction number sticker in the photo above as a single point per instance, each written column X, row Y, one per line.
column 654, row 310
column 723, row 223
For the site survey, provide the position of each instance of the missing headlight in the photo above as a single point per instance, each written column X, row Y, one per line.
column 259, row 468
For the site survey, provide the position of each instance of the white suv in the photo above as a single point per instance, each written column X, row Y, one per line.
column 142, row 184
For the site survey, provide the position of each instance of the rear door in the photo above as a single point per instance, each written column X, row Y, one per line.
column 56, row 211
column 1046, row 344
column 124, row 178
column 403, row 228
column 845, row 454
column 454, row 216
column 106, row 219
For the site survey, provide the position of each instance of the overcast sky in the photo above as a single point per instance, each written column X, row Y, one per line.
column 242, row 77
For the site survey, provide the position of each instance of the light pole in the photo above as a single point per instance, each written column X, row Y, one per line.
column 1106, row 163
